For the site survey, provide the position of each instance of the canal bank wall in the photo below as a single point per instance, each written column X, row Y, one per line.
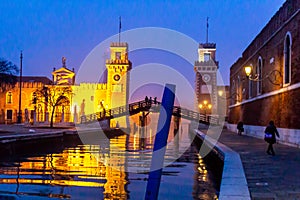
column 233, row 183
column 15, row 144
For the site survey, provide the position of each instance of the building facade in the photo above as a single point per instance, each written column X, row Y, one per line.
column 9, row 100
column 84, row 98
column 272, row 90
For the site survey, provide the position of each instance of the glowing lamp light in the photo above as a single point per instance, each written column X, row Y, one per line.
column 248, row 70
column 220, row 93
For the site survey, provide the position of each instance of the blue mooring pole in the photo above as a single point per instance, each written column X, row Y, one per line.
column 160, row 142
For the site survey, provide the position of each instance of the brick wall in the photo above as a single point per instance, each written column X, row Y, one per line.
column 284, row 105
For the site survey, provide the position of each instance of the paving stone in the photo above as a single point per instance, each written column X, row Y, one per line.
column 281, row 172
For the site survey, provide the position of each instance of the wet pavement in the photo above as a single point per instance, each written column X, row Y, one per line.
column 269, row 177
column 6, row 129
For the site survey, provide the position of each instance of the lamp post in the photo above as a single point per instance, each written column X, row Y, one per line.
column 205, row 105
column 19, row 119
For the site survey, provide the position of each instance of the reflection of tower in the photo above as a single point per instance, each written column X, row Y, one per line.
column 115, row 187
column 206, row 75
column 118, row 68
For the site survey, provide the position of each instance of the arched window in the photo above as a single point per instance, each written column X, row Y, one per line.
column 250, row 85
column 287, row 58
column 238, row 88
column 9, row 97
column 233, row 92
column 259, row 72
column 33, row 98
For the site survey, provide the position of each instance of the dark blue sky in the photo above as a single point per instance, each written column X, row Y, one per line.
column 47, row 30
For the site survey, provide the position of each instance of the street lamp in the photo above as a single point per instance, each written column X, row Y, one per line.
column 205, row 105
column 248, row 71
column 220, row 93
column 274, row 76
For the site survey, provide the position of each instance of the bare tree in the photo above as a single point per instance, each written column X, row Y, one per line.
column 8, row 74
column 52, row 97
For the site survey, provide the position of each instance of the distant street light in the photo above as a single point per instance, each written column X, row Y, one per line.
column 220, row 93
column 205, row 106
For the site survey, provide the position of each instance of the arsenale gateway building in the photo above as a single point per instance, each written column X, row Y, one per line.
column 85, row 98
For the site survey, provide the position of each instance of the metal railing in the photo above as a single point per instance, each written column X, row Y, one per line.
column 142, row 106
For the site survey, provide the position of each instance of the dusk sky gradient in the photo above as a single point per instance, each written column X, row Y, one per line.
column 47, row 30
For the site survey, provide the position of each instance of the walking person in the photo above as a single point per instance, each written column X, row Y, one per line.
column 240, row 128
column 270, row 137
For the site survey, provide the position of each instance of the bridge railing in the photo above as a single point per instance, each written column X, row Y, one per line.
column 139, row 106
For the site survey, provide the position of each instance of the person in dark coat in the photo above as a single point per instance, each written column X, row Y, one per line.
column 240, row 128
column 271, row 129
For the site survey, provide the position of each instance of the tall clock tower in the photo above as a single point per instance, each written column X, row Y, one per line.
column 206, row 76
column 118, row 75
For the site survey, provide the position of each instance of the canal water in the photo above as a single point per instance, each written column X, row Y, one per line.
column 68, row 169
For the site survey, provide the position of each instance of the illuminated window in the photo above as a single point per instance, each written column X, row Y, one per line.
column 259, row 72
column 206, row 56
column 9, row 98
column 287, row 58
column 118, row 55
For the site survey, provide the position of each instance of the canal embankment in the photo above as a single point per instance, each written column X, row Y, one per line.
column 19, row 139
column 267, row 176
column 233, row 182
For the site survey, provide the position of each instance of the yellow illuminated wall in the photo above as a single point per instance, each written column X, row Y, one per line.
column 118, row 77
column 86, row 98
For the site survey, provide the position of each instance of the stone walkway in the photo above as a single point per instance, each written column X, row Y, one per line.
column 269, row 177
column 22, row 129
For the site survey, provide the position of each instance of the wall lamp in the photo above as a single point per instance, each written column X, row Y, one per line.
column 248, row 71
column 222, row 95
column 275, row 76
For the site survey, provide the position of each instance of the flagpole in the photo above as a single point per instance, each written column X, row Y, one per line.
column 19, row 118
column 207, row 30
column 120, row 26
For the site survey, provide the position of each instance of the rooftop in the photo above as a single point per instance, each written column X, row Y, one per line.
column 207, row 45
column 119, row 44
column 37, row 79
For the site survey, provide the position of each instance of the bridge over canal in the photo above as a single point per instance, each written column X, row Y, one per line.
column 148, row 106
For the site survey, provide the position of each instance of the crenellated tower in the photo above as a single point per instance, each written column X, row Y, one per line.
column 118, row 76
column 206, row 76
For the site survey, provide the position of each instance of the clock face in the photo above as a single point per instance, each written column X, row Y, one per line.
column 206, row 78
column 117, row 77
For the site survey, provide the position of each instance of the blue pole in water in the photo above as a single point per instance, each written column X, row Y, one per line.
column 160, row 142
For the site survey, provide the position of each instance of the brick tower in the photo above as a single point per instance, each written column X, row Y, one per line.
column 206, row 77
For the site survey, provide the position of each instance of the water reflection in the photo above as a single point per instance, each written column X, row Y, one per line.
column 93, row 172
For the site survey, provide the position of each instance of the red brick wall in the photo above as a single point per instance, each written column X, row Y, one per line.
column 283, row 108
